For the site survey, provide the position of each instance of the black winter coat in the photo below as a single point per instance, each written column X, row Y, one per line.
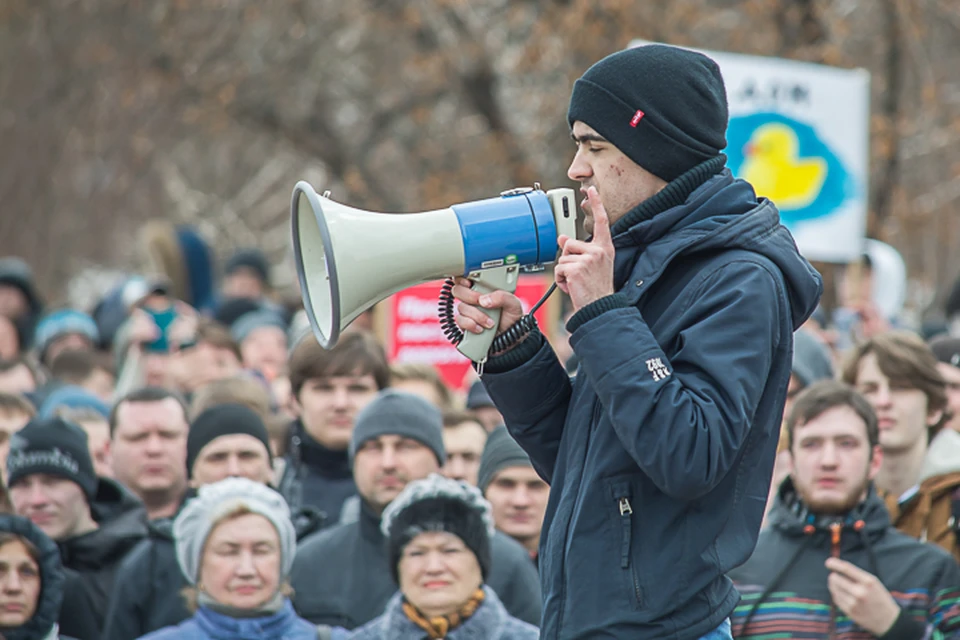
column 122, row 521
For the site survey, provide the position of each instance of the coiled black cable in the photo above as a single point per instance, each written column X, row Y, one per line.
column 445, row 311
column 501, row 343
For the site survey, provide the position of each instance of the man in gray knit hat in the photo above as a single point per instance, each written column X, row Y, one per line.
column 511, row 485
column 342, row 575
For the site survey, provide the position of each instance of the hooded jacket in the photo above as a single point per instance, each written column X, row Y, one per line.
column 122, row 521
column 784, row 584
column 489, row 622
column 146, row 594
column 342, row 577
column 932, row 513
column 43, row 624
column 659, row 452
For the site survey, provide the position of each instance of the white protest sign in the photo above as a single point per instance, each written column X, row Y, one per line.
column 799, row 133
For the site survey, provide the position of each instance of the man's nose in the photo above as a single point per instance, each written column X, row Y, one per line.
column 37, row 496
column 233, row 466
column 521, row 498
column 579, row 168
column 154, row 446
column 388, row 458
column 884, row 398
column 455, row 466
column 341, row 397
column 829, row 456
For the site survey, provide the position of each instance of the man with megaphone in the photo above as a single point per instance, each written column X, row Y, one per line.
column 659, row 452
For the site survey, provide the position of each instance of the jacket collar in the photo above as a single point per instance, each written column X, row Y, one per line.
column 370, row 523
column 223, row 627
column 318, row 458
column 791, row 516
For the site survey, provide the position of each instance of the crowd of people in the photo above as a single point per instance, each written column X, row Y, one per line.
column 271, row 479
column 188, row 462
column 187, row 474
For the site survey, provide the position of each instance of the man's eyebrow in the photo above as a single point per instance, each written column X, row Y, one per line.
column 587, row 137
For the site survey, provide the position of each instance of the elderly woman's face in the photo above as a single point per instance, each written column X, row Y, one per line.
column 241, row 562
column 19, row 584
column 438, row 573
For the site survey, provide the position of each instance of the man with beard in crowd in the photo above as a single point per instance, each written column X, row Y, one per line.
column 831, row 564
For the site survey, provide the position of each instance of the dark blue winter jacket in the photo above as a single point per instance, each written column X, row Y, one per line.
column 659, row 452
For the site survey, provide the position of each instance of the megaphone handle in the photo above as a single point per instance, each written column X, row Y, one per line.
column 476, row 345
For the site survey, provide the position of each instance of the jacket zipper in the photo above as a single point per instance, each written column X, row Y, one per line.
column 626, row 511
column 835, row 530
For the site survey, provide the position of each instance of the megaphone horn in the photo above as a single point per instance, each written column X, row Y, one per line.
column 349, row 259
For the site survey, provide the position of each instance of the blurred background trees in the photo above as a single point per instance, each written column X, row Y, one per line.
column 114, row 112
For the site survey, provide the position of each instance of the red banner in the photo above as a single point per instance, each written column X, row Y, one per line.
column 414, row 333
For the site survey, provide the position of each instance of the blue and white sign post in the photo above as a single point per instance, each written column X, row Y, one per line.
column 799, row 132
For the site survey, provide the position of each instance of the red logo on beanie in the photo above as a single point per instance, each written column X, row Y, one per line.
column 637, row 117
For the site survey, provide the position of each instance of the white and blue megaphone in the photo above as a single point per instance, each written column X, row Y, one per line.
column 348, row 259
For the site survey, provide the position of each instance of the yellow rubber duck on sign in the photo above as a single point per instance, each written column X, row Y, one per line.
column 776, row 171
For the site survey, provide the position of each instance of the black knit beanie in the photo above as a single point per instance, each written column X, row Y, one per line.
column 53, row 446
column 223, row 420
column 664, row 107
column 438, row 504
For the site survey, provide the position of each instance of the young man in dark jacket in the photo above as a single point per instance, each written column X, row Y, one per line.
column 659, row 453
column 831, row 564
column 330, row 388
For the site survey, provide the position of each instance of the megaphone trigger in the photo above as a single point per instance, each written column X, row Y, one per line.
column 476, row 346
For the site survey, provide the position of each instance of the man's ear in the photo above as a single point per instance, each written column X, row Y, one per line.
column 934, row 417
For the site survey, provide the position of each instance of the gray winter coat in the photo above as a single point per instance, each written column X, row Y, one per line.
column 490, row 622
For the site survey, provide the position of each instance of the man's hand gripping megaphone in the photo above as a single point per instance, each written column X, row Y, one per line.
column 584, row 271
